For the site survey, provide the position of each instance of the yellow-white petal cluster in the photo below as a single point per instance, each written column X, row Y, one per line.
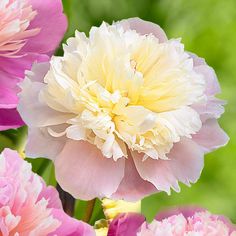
column 120, row 89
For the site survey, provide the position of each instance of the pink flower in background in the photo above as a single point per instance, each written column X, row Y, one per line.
column 126, row 112
column 28, row 206
column 30, row 31
column 176, row 222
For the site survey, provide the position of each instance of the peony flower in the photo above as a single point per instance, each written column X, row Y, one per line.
column 125, row 112
column 30, row 30
column 28, row 206
column 177, row 222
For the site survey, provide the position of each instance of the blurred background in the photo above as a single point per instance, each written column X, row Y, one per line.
column 207, row 28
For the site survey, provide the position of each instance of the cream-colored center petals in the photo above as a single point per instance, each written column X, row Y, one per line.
column 125, row 89
column 15, row 17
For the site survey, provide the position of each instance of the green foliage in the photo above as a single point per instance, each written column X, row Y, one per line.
column 207, row 28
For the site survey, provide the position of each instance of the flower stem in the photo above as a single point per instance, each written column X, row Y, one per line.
column 89, row 210
column 68, row 202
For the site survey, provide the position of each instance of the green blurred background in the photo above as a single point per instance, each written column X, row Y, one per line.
column 207, row 28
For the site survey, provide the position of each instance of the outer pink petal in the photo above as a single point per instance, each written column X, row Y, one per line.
column 83, row 171
column 132, row 186
column 213, row 107
column 144, row 27
column 197, row 61
column 185, row 164
column 34, row 111
column 211, row 136
column 212, row 84
column 126, row 225
column 53, row 24
column 10, row 119
column 47, row 146
column 70, row 226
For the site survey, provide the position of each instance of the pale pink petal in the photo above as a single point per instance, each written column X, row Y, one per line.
column 185, row 164
column 83, row 171
column 144, row 27
column 70, row 226
column 52, row 23
column 212, row 108
column 127, row 224
column 212, row 84
column 132, row 186
column 33, row 110
column 47, row 146
column 197, row 61
column 211, row 136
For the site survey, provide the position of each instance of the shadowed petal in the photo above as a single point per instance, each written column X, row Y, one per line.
column 185, row 164
column 10, row 119
column 126, row 225
column 83, row 171
column 132, row 186
column 211, row 136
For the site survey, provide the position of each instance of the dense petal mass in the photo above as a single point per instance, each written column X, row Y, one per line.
column 30, row 31
column 189, row 221
column 126, row 100
column 28, row 206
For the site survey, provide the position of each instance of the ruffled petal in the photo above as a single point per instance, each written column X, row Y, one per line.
column 33, row 110
column 47, row 146
column 84, row 172
column 132, row 186
column 212, row 107
column 144, row 27
column 185, row 164
column 212, row 84
column 211, row 136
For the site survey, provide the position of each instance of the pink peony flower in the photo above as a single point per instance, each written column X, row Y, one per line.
column 30, row 31
column 28, row 207
column 177, row 222
column 125, row 112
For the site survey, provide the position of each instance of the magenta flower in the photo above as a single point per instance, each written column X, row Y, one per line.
column 28, row 207
column 30, row 31
column 176, row 222
column 126, row 112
